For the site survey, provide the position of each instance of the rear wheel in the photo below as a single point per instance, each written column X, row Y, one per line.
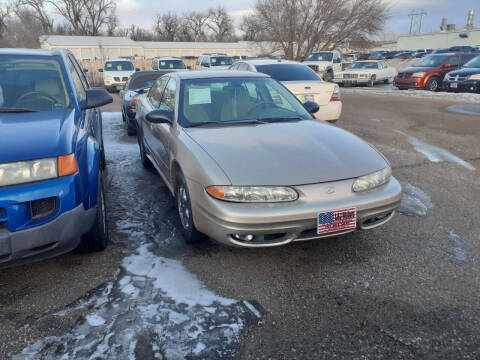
column 131, row 128
column 97, row 238
column 371, row 82
column 433, row 84
column 184, row 208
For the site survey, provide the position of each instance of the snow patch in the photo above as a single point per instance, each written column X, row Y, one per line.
column 460, row 249
column 95, row 320
column 415, row 202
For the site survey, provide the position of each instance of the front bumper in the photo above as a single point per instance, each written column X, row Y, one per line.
column 412, row 83
column 352, row 82
column 280, row 224
column 462, row 86
column 56, row 237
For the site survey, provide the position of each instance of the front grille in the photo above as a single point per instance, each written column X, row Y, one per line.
column 404, row 75
column 125, row 78
column 116, row 78
column 457, row 78
column 350, row 76
column 43, row 208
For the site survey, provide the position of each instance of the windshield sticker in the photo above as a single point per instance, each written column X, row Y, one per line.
column 199, row 96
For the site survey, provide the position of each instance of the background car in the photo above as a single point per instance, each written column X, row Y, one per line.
column 214, row 62
column 302, row 81
column 440, row 51
column 403, row 55
column 168, row 63
column 466, row 79
column 325, row 63
column 249, row 166
column 137, row 84
column 51, row 157
column 419, row 54
column 428, row 72
column 116, row 73
column 366, row 72
column 376, row 56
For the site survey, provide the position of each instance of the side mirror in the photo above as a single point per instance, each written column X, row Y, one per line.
column 137, row 69
column 160, row 117
column 96, row 98
column 447, row 66
column 312, row 107
column 100, row 70
column 85, row 70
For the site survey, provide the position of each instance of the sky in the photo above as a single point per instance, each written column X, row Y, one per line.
column 140, row 12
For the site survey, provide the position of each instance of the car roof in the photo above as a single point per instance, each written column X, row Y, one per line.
column 269, row 62
column 167, row 58
column 149, row 72
column 217, row 74
column 34, row 52
column 119, row 59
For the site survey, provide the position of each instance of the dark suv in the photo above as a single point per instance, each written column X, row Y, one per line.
column 467, row 79
column 428, row 72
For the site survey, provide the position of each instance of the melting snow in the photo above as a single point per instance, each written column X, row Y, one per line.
column 460, row 249
column 434, row 153
column 415, row 202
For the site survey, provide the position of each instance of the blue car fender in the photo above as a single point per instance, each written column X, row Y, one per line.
column 93, row 168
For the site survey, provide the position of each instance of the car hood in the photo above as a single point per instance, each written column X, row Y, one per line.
column 219, row 68
column 465, row 72
column 35, row 135
column 416, row 69
column 318, row 63
column 304, row 152
column 118, row 73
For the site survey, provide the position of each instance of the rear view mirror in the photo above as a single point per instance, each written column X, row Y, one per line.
column 312, row 107
column 446, row 66
column 160, row 117
column 96, row 98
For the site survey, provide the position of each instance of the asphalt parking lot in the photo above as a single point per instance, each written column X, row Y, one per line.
column 407, row 290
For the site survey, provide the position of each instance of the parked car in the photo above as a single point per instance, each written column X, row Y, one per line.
column 325, row 63
column 466, row 79
column 464, row 49
column 168, row 63
column 240, row 57
column 403, row 55
column 428, row 72
column 214, row 62
column 51, row 157
column 302, row 81
column 376, row 56
column 390, row 54
column 249, row 167
column 440, row 51
column 364, row 56
column 138, row 83
column 368, row 72
column 116, row 73
column 419, row 54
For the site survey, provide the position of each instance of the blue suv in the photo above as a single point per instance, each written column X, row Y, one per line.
column 51, row 157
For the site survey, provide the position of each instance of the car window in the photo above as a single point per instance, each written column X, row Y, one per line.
column 77, row 81
column 321, row 56
column 473, row 63
column 431, row 61
column 289, row 72
column 169, row 95
column 170, row 64
column 236, row 99
column 454, row 61
column 466, row 58
column 156, row 92
column 118, row 66
column 205, row 61
column 221, row 60
column 199, row 61
column 80, row 71
column 243, row 67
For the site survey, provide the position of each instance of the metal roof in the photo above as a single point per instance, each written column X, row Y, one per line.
column 62, row 40
column 192, row 45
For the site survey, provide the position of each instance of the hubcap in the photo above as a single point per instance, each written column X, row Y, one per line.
column 434, row 85
column 183, row 208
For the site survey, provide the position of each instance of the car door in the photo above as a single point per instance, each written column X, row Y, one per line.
column 151, row 102
column 161, row 133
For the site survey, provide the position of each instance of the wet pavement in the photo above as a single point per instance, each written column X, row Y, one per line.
column 407, row 290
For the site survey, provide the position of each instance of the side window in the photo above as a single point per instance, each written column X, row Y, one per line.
column 156, row 92
column 199, row 61
column 206, row 61
column 81, row 73
column 454, row 61
column 169, row 95
column 244, row 67
column 77, row 81
column 466, row 58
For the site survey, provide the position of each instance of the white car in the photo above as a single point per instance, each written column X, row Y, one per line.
column 302, row 81
column 116, row 73
column 214, row 62
column 367, row 72
column 325, row 63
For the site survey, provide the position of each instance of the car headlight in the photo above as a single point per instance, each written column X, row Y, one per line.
column 372, row 181
column 418, row 75
column 22, row 172
column 254, row 194
column 474, row 77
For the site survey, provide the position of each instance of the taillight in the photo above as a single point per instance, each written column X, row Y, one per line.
column 336, row 94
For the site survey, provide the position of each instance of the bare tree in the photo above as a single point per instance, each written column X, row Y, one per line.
column 38, row 11
column 302, row 26
column 221, row 25
column 139, row 34
column 196, row 23
column 73, row 11
column 4, row 13
column 99, row 13
column 166, row 26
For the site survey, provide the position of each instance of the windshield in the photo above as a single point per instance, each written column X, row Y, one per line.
column 364, row 65
column 32, row 83
column 289, row 72
column 221, row 61
column 171, row 64
column 474, row 63
column 119, row 66
column 431, row 61
column 236, row 100
column 321, row 56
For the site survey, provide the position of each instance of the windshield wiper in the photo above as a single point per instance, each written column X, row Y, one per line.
column 226, row 123
column 279, row 119
column 16, row 110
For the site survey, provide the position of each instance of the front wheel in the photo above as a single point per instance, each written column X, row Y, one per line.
column 433, row 84
column 184, row 208
column 371, row 82
column 143, row 154
column 97, row 238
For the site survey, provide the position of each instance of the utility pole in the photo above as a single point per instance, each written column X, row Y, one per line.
column 416, row 19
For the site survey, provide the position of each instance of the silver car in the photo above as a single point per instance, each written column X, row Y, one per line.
column 250, row 167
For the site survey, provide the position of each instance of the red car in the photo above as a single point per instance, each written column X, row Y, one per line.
column 428, row 72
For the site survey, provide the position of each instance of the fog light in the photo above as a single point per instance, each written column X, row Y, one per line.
column 244, row 237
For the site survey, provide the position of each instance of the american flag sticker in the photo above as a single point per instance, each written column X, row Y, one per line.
column 336, row 220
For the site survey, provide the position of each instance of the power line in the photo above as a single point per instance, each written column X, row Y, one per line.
column 416, row 19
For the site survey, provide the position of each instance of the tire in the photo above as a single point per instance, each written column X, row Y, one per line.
column 97, row 238
column 103, row 161
column 123, row 117
column 371, row 82
column 387, row 81
column 147, row 164
column 185, row 214
column 433, row 84
column 131, row 128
